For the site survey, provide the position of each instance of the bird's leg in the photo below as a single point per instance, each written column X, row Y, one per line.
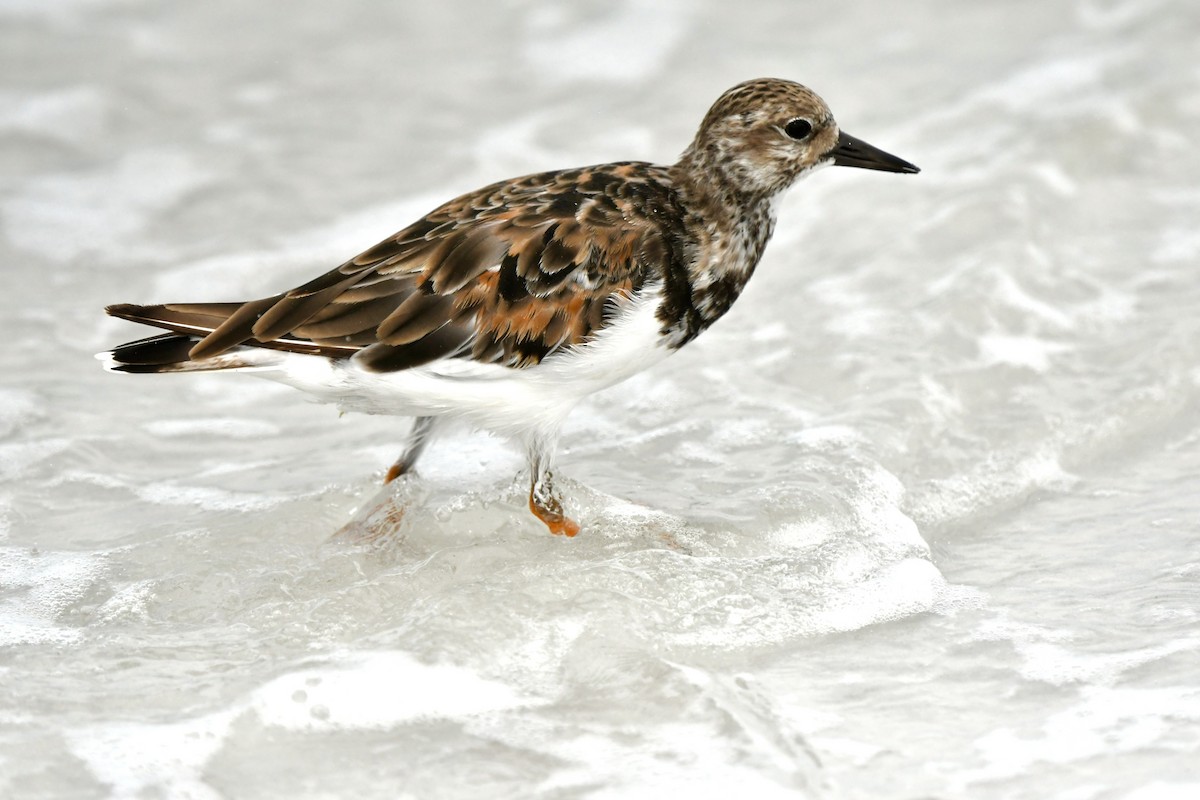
column 544, row 501
column 418, row 437
column 384, row 514
column 546, row 506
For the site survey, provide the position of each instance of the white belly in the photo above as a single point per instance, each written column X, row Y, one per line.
column 497, row 398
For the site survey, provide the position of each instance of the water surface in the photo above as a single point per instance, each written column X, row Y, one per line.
column 917, row 519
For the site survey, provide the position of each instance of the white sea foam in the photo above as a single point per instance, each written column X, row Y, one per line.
column 1020, row 351
column 38, row 589
column 128, row 602
column 1105, row 721
column 1060, row 664
column 131, row 758
column 362, row 691
column 379, row 690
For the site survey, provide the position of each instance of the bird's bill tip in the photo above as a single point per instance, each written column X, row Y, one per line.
column 852, row 152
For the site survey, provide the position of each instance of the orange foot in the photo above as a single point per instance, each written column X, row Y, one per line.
column 558, row 523
column 394, row 471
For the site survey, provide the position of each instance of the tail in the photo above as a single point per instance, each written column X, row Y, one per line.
column 169, row 353
column 194, row 323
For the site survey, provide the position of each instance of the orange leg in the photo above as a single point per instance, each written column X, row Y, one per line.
column 545, row 505
column 417, row 440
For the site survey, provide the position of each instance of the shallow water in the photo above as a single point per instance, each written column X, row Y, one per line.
column 918, row 519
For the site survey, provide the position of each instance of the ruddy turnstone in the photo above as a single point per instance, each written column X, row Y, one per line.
column 510, row 304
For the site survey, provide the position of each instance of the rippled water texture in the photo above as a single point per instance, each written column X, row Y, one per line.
column 918, row 519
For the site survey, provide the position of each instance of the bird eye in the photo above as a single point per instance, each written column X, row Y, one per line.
column 798, row 128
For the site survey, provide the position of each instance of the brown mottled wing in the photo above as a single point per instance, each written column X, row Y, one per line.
column 505, row 275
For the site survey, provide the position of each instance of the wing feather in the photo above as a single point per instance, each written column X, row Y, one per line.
column 441, row 343
column 296, row 308
column 504, row 275
column 338, row 320
column 419, row 315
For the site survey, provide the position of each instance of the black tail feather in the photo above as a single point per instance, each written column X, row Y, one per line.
column 152, row 354
column 167, row 348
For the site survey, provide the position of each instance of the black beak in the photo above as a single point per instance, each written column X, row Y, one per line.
column 851, row 152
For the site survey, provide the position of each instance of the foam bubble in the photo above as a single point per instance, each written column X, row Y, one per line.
column 38, row 588
column 132, row 758
column 378, row 690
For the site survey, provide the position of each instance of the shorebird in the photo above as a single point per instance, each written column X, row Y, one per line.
column 508, row 305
